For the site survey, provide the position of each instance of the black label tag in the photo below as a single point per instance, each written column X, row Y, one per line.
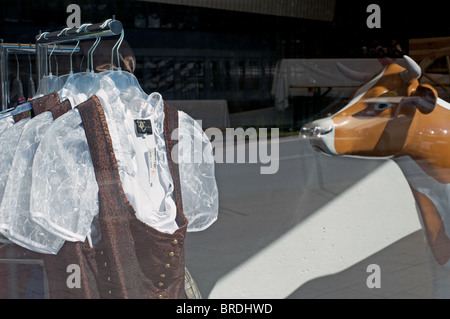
column 144, row 126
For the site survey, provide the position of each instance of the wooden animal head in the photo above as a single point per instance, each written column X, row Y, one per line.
column 377, row 121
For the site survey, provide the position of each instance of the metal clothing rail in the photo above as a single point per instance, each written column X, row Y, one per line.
column 85, row 32
column 6, row 49
column 107, row 28
column 110, row 27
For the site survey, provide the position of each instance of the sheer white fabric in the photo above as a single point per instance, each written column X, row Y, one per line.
column 70, row 92
column 65, row 153
column 64, row 191
column 6, row 123
column 67, row 204
column 15, row 207
column 8, row 146
column 198, row 182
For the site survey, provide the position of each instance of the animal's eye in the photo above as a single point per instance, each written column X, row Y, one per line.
column 382, row 106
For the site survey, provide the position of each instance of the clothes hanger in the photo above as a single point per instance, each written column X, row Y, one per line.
column 5, row 113
column 72, row 78
column 122, row 79
column 64, row 78
column 47, row 81
column 42, row 82
column 88, row 82
column 31, row 86
column 54, row 82
column 8, row 112
column 17, row 87
column 95, row 84
column 24, row 107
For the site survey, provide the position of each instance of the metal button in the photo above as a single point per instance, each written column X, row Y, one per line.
column 110, row 292
column 167, row 266
column 160, row 284
column 106, row 264
column 171, row 254
column 109, row 278
column 175, row 242
column 162, row 276
column 160, row 297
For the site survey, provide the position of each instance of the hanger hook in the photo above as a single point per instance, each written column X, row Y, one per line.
column 71, row 54
column 122, row 36
column 97, row 41
column 83, row 27
column 117, row 47
column 88, row 54
column 56, row 61
column 31, row 67
column 17, row 60
column 63, row 31
column 106, row 23
column 50, row 60
column 20, row 49
column 112, row 53
column 42, row 35
column 81, row 64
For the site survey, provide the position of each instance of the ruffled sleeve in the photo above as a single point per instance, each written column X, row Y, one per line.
column 197, row 175
column 64, row 194
column 8, row 147
column 16, row 199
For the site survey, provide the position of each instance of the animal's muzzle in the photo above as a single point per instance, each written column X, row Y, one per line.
column 320, row 134
column 313, row 130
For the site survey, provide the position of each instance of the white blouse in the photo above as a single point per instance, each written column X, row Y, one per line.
column 64, row 194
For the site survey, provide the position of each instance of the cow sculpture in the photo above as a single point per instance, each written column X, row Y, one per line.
column 394, row 116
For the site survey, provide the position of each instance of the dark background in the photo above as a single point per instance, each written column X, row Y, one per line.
column 198, row 53
column 193, row 27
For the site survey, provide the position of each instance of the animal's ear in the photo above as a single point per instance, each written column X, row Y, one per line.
column 424, row 98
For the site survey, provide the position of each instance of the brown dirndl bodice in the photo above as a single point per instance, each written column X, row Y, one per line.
column 132, row 259
column 39, row 105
